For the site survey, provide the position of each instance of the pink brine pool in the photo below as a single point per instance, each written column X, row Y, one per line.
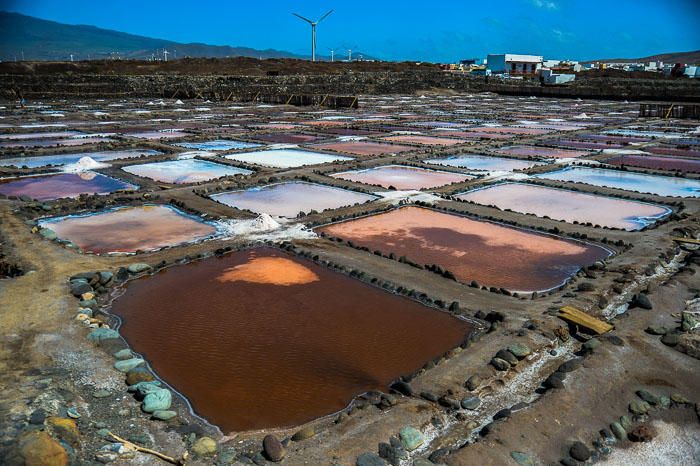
column 548, row 152
column 403, row 177
column 129, row 229
column 657, row 162
column 426, row 140
column 44, row 188
column 569, row 206
column 364, row 147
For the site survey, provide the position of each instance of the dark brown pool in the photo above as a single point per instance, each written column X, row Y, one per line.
column 260, row 338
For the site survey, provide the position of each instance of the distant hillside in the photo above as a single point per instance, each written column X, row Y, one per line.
column 39, row 39
column 673, row 57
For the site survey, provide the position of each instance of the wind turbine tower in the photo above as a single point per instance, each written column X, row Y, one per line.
column 313, row 31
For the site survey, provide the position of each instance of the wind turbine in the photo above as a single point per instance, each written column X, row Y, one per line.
column 332, row 55
column 313, row 31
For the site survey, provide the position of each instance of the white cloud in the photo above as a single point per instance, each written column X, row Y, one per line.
column 548, row 4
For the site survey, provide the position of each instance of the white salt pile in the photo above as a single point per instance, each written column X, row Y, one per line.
column 394, row 197
column 264, row 227
column 84, row 164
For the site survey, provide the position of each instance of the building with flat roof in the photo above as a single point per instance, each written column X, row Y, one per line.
column 513, row 64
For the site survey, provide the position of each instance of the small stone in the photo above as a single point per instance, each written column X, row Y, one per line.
column 37, row 417
column 591, row 344
column 500, row 364
column 665, row 401
column 66, row 429
column 370, row 459
column 138, row 268
column 105, row 277
column 507, row 356
column 89, row 303
column 626, row 422
column 585, row 286
column 523, row 459
column 472, row 402
column 473, row 382
column 128, row 364
column 139, row 374
column 73, row 413
column 158, row 400
column 303, row 434
column 101, row 393
column 410, row 438
column 102, row 333
column 520, row 350
column 164, row 415
column 123, row 354
column 87, row 296
column 555, row 380
column 579, row 451
column 79, row 288
column 641, row 301
column 656, row 330
column 648, row 397
column 639, row 407
column 671, row 339
column 618, row 430
column 392, row 454
column 679, row 399
column 502, row 414
column 47, row 233
column 273, row 449
column 204, row 446
column 570, row 366
column 430, row 396
column 106, row 457
column 641, row 433
column 402, row 387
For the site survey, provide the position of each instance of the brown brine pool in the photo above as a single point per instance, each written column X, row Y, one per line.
column 260, row 338
column 494, row 255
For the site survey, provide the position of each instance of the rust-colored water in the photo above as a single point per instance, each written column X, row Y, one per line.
column 130, row 229
column 260, row 339
column 491, row 254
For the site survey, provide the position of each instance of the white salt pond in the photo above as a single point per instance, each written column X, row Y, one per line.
column 184, row 171
column 285, row 158
column 217, row 145
column 66, row 159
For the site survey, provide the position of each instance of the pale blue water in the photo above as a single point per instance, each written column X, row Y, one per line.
column 484, row 162
column 660, row 185
column 65, row 159
column 217, row 145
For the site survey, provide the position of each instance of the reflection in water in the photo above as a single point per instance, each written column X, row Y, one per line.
column 252, row 355
column 569, row 206
column 129, row 229
column 44, row 188
column 491, row 254
column 184, row 171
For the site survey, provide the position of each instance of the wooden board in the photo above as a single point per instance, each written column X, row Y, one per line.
column 686, row 240
column 573, row 315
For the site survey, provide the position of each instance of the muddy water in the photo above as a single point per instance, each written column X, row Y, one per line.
column 491, row 254
column 260, row 339
column 569, row 206
column 401, row 177
column 44, row 188
column 288, row 199
column 129, row 229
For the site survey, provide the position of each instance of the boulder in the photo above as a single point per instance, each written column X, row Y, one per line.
column 579, row 451
column 48, row 233
column 639, row 407
column 394, row 455
column 471, row 402
column 123, row 354
column 473, row 382
column 555, row 380
column 618, row 430
column 157, row 400
column 204, row 446
column 410, row 438
column 507, row 356
column 370, row 459
column 591, row 345
column 164, row 415
column 500, row 364
column 65, row 429
column 402, row 387
column 102, row 333
column 273, row 448
column 520, row 350
column 138, row 268
column 139, row 374
column 671, row 339
column 642, row 301
column 79, row 288
column 122, row 274
column 127, row 364
column 105, row 277
column 38, row 448
column 647, row 396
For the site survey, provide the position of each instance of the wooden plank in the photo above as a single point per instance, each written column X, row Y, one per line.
column 573, row 315
column 686, row 240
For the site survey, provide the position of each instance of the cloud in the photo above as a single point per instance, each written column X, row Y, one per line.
column 547, row 4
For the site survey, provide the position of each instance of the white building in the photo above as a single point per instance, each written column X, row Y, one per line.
column 512, row 64
column 550, row 77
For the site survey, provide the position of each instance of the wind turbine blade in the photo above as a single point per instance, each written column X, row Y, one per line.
column 305, row 19
column 324, row 16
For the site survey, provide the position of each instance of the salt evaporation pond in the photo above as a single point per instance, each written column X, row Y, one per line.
column 285, row 158
column 129, row 229
column 569, row 206
column 548, row 152
column 45, row 188
column 261, row 339
column 217, row 145
column 285, row 138
column 184, row 171
column 68, row 142
column 66, row 159
column 657, row 162
column 492, row 254
column 425, row 140
column 630, row 181
column 290, row 198
column 365, row 147
column 484, row 162
column 402, row 177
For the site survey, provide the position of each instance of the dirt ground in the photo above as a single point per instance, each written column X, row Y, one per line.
column 48, row 365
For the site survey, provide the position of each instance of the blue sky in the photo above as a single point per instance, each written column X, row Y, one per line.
column 441, row 31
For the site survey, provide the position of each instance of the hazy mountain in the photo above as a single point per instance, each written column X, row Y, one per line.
column 39, row 39
column 671, row 57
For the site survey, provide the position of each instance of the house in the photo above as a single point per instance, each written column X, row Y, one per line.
column 548, row 76
column 512, row 64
